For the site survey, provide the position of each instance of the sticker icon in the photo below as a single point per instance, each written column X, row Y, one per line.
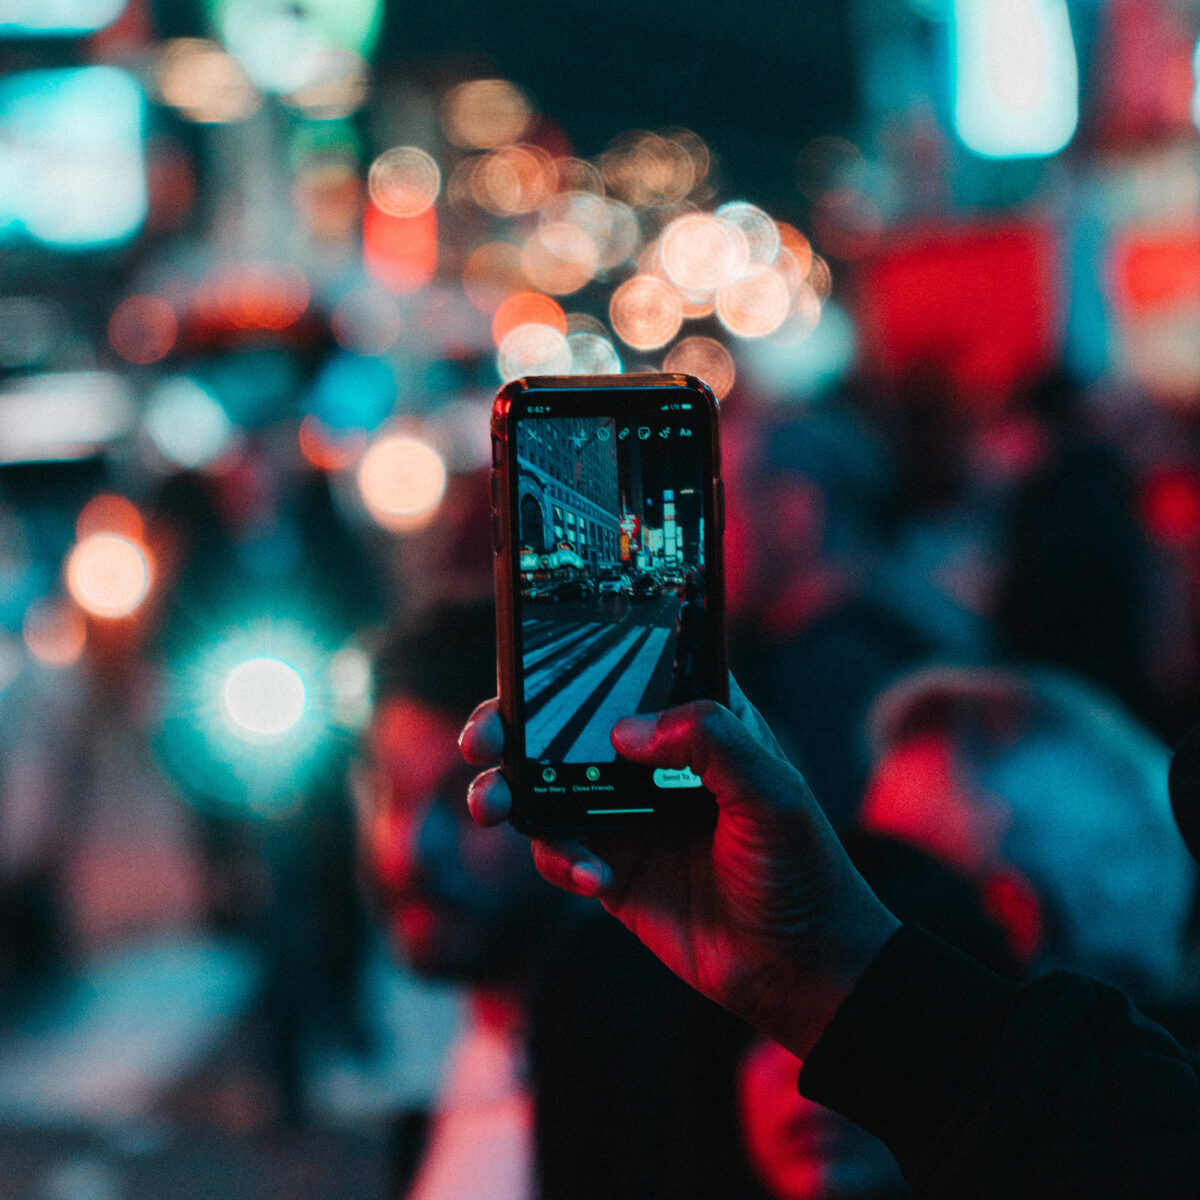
column 643, row 432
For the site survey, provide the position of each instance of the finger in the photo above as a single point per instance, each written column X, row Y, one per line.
column 752, row 718
column 489, row 799
column 571, row 866
column 709, row 739
column 482, row 738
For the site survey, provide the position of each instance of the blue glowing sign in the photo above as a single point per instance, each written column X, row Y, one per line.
column 72, row 157
column 64, row 18
column 1016, row 77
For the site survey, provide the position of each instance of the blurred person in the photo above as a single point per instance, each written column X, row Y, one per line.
column 822, row 616
column 802, row 1150
column 1075, row 588
column 576, row 1073
column 1055, row 802
column 259, row 543
column 977, row 1085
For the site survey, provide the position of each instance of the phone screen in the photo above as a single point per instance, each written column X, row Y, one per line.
column 615, row 535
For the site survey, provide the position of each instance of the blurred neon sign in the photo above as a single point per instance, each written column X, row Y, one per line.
column 1016, row 78
column 68, row 18
column 72, row 160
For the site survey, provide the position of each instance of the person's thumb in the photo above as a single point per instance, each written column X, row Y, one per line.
column 707, row 738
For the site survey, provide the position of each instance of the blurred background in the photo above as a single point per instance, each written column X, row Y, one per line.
column 263, row 265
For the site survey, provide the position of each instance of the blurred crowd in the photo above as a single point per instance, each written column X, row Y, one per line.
column 975, row 635
column 246, row 574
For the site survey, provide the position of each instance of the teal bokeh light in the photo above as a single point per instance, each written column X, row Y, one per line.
column 249, row 724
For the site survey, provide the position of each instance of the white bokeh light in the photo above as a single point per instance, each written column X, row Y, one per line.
column 263, row 698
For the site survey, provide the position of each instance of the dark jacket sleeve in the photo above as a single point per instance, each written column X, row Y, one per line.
column 1058, row 1089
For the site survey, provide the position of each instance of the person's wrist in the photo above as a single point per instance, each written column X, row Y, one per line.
column 800, row 1003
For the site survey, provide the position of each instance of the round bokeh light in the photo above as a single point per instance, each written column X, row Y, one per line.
column 108, row 575
column 263, row 698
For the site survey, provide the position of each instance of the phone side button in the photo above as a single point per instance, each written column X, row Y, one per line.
column 497, row 532
column 720, row 506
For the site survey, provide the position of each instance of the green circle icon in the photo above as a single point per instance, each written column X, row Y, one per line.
column 593, row 773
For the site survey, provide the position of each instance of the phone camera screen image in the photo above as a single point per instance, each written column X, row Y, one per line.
column 613, row 538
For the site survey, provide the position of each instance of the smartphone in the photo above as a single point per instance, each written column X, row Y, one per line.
column 607, row 524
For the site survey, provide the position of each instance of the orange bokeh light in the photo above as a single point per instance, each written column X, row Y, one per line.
column 791, row 239
column 706, row 358
column 645, row 312
column 253, row 296
column 326, row 451
column 754, row 305
column 401, row 481
column 560, row 258
column 109, row 513
column 108, row 575
column 513, row 180
column 492, row 273
column 527, row 308
column 484, row 113
column 143, row 329
column 700, row 252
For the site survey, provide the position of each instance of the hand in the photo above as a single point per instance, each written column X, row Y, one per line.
column 765, row 914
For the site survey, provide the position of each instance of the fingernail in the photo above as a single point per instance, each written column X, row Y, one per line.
column 588, row 878
column 636, row 733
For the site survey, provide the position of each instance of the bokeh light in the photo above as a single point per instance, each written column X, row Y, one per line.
column 705, row 358
column 350, row 686
column 401, row 481
column 527, row 308
column 109, row 513
column 108, row 575
column 252, row 295
column 484, row 113
column 512, row 180
column 645, row 312
column 533, row 350
column 760, row 232
column 55, row 632
column 143, row 329
column 263, row 698
column 205, row 83
column 592, row 354
column 326, row 449
column 1016, row 77
column 700, row 252
column 404, row 181
column 610, row 226
column 337, row 87
column 755, row 304
column 647, row 170
column 187, row 426
column 491, row 273
column 560, row 258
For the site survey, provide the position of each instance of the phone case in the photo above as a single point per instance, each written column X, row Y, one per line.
column 527, row 816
